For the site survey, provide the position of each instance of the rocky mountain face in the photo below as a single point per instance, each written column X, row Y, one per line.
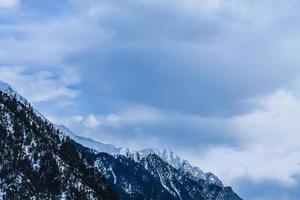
column 175, row 175
column 166, row 155
column 153, row 178
column 39, row 160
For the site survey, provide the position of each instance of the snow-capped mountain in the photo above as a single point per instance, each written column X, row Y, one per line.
column 153, row 178
column 38, row 160
column 166, row 155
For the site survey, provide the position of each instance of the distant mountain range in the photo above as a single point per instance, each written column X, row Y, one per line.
column 40, row 160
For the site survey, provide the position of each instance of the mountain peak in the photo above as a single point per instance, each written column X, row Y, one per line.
column 169, row 156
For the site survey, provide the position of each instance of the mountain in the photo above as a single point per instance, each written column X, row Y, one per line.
column 130, row 179
column 153, row 178
column 166, row 155
column 140, row 174
column 37, row 161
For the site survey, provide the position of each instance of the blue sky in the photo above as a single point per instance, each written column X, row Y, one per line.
column 217, row 81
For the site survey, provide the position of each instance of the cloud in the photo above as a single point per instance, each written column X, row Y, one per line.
column 134, row 115
column 157, row 128
column 47, row 43
column 9, row 4
column 123, row 55
column 191, row 65
column 39, row 86
column 91, row 121
column 267, row 189
column 269, row 147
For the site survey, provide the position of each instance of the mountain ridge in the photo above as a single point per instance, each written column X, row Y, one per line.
column 121, row 173
column 167, row 155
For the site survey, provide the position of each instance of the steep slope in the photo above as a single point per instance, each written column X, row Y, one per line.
column 182, row 185
column 166, row 155
column 152, row 178
column 131, row 180
column 136, row 174
column 183, row 166
column 37, row 161
column 87, row 142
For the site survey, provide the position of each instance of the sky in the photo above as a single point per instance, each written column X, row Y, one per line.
column 216, row 81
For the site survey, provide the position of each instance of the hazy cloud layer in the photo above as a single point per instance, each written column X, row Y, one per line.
column 204, row 60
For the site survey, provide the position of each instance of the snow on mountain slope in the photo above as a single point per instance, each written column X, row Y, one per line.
column 166, row 155
column 4, row 87
column 179, row 164
column 8, row 89
column 37, row 163
column 87, row 142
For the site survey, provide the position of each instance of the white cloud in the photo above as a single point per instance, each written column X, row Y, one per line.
column 133, row 115
column 82, row 124
column 9, row 4
column 70, row 121
column 271, row 145
column 127, row 126
column 91, row 121
column 37, row 86
column 47, row 43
